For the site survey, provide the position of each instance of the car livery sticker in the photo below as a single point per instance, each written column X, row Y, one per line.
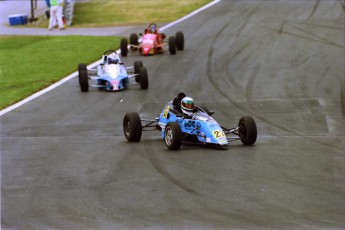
column 192, row 124
column 218, row 134
column 166, row 112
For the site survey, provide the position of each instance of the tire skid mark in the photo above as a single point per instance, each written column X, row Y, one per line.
column 237, row 87
column 311, row 39
column 281, row 28
column 250, row 85
column 219, row 89
column 211, row 78
column 165, row 173
column 314, row 9
column 209, row 63
column 324, row 26
column 295, row 63
column 242, row 26
column 239, row 51
column 320, row 38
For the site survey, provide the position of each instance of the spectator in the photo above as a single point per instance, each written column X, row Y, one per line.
column 48, row 3
column 56, row 8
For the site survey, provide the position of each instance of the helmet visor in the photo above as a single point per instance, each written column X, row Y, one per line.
column 188, row 105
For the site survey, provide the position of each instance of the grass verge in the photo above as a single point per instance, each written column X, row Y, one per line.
column 31, row 63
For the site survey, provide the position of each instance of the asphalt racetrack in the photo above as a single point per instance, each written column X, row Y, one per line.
column 65, row 163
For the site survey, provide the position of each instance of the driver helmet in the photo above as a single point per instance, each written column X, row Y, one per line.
column 153, row 28
column 113, row 59
column 187, row 105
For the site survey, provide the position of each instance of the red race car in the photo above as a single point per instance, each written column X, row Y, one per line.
column 152, row 42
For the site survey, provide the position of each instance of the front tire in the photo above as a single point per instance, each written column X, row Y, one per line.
column 132, row 127
column 137, row 66
column 83, row 81
column 173, row 136
column 81, row 66
column 124, row 47
column 247, row 130
column 144, row 80
column 172, row 45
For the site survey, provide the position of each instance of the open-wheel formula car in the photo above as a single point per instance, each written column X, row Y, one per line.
column 198, row 128
column 112, row 75
column 152, row 42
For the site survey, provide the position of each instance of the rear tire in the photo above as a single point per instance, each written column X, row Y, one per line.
column 132, row 127
column 173, row 136
column 144, row 81
column 247, row 130
column 172, row 45
column 133, row 40
column 179, row 40
column 83, row 81
column 124, row 47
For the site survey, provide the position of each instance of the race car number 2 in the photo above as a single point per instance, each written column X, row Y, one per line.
column 166, row 112
column 218, row 134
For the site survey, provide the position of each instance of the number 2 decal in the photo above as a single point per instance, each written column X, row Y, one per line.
column 166, row 112
column 218, row 134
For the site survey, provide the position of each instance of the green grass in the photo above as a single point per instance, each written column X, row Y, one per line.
column 95, row 13
column 114, row 13
column 31, row 63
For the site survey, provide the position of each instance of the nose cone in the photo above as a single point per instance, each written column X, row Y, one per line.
column 223, row 141
column 146, row 51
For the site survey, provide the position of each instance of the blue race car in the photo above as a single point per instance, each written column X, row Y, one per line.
column 112, row 75
column 198, row 128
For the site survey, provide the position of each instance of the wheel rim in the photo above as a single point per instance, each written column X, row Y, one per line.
column 243, row 130
column 168, row 136
column 127, row 128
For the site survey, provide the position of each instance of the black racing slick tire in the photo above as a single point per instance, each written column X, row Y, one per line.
column 81, row 66
column 137, row 66
column 144, row 80
column 173, row 136
column 132, row 127
column 172, row 45
column 124, row 47
column 247, row 130
column 134, row 40
column 179, row 39
column 83, row 81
